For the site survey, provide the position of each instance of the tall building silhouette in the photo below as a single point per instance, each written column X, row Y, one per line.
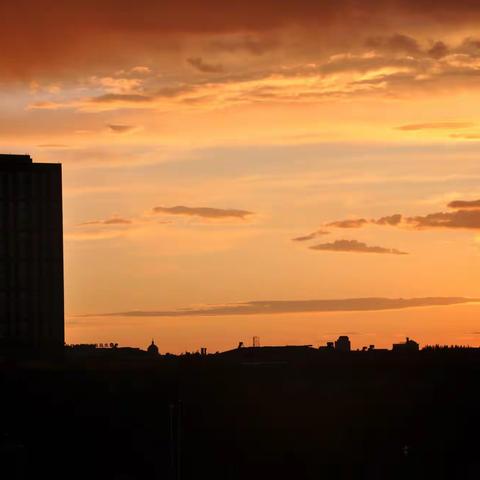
column 31, row 254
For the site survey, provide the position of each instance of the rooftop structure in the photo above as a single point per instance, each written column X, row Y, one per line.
column 408, row 346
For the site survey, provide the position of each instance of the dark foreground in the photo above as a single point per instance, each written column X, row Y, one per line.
column 316, row 416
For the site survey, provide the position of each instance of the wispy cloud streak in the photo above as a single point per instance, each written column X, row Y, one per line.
column 354, row 246
column 205, row 212
column 296, row 306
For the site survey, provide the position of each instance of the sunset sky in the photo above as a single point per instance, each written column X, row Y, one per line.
column 228, row 166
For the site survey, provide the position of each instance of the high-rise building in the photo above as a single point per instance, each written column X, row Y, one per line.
column 31, row 254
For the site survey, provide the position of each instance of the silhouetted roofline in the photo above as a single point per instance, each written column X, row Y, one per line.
column 269, row 348
column 14, row 159
column 19, row 163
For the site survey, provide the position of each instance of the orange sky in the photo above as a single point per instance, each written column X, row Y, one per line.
column 318, row 151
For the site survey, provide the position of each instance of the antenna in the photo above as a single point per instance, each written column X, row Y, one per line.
column 256, row 341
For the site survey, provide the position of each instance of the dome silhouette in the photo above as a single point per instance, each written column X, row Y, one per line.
column 152, row 349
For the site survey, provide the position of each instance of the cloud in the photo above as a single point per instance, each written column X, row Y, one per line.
column 435, row 125
column 108, row 221
column 200, row 65
column 112, row 101
column 117, row 221
column 204, row 212
column 465, row 216
column 272, row 307
column 45, row 105
column 461, row 219
column 121, row 97
column 121, row 128
column 310, row 236
column 365, row 63
column 354, row 223
column 464, row 204
column 404, row 44
column 78, row 36
column 354, row 246
column 469, row 46
column 438, row 50
column 385, row 66
column 140, row 71
column 394, row 43
column 389, row 220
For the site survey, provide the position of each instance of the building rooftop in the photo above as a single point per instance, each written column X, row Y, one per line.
column 14, row 159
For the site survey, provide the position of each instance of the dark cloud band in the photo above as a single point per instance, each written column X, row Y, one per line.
column 72, row 36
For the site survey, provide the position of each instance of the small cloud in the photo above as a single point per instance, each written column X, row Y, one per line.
column 108, row 221
column 466, row 215
column 204, row 212
column 389, row 220
column 138, row 98
column 435, row 126
column 354, row 223
column 310, row 236
column 354, row 246
column 117, row 221
column 142, row 70
column 396, row 43
column 120, row 97
column 439, row 50
column 44, row 105
column 361, row 222
column 465, row 204
column 138, row 72
column 461, row 219
column 469, row 46
column 202, row 66
column 116, row 128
